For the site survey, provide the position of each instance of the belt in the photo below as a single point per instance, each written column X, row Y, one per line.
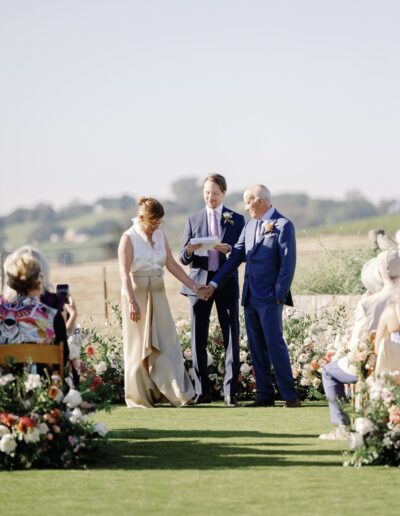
column 152, row 273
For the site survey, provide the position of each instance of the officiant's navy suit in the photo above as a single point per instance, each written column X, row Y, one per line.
column 270, row 257
column 226, row 300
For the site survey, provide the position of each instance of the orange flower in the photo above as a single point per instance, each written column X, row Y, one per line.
column 8, row 419
column 314, row 365
column 54, row 392
column 25, row 424
column 97, row 381
column 89, row 350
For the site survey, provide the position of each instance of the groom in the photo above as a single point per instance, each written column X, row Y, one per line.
column 268, row 246
column 213, row 220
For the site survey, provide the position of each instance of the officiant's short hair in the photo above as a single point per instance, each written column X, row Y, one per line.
column 218, row 180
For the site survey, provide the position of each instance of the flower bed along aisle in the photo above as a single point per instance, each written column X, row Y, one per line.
column 44, row 423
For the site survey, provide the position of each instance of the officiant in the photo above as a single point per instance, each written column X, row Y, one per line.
column 214, row 220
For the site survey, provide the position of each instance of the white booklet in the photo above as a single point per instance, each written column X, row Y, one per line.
column 207, row 243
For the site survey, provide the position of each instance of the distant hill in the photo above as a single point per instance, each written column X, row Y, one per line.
column 83, row 232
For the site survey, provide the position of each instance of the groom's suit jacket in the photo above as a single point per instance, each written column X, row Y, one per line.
column 197, row 226
column 270, row 261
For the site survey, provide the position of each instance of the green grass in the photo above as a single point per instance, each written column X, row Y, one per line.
column 209, row 460
column 390, row 223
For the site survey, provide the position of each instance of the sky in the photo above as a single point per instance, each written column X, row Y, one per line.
column 110, row 97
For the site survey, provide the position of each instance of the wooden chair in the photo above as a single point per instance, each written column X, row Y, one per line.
column 49, row 354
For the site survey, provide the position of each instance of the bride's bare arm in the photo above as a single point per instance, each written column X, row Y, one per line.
column 175, row 269
column 125, row 259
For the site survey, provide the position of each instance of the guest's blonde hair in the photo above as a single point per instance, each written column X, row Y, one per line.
column 22, row 271
column 9, row 293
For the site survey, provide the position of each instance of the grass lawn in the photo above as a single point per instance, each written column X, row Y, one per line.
column 209, row 460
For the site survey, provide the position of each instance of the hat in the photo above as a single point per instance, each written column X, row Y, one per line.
column 389, row 265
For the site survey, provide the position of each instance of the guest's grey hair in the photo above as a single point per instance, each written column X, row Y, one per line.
column 260, row 192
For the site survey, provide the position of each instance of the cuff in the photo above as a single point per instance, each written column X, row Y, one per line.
column 213, row 284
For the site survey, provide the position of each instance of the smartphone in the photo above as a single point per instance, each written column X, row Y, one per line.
column 62, row 291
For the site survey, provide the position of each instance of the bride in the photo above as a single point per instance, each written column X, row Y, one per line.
column 154, row 370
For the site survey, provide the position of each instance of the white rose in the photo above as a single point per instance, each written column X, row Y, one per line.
column 5, row 379
column 243, row 356
column 73, row 398
column 76, row 415
column 33, row 436
column 32, row 382
column 355, row 440
column 210, row 360
column 364, row 425
column 316, row 383
column 100, row 429
column 7, row 444
column 100, row 368
column 4, row 431
column 245, row 369
column 43, row 428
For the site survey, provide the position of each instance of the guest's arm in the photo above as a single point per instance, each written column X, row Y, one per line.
column 125, row 259
column 383, row 327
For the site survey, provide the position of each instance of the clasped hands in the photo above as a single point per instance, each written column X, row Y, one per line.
column 203, row 292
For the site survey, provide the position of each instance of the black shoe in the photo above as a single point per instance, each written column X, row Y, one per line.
column 268, row 402
column 200, row 399
column 230, row 401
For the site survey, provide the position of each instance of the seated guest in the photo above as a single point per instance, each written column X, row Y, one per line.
column 25, row 318
column 47, row 296
column 369, row 309
column 387, row 340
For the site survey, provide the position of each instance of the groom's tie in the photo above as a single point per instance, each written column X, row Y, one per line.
column 213, row 255
column 258, row 231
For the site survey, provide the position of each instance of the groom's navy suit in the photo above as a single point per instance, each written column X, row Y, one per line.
column 270, row 264
column 226, row 300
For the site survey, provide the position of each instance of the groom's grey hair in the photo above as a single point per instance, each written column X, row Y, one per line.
column 260, row 192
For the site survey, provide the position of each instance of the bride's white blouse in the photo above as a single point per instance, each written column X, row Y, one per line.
column 145, row 256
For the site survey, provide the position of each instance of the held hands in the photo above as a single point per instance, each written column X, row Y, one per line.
column 205, row 292
column 134, row 311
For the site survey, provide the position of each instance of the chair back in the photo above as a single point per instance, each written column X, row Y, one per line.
column 49, row 354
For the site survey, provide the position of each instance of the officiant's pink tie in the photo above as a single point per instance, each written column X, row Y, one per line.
column 213, row 255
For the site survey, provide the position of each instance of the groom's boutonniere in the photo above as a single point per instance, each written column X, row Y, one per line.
column 269, row 228
column 227, row 217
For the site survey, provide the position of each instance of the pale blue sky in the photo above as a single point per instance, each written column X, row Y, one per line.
column 104, row 97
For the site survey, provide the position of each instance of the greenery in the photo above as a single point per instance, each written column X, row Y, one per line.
column 376, row 439
column 44, row 423
column 210, row 460
column 102, row 223
column 331, row 272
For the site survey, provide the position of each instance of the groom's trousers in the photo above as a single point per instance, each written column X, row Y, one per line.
column 268, row 348
column 228, row 316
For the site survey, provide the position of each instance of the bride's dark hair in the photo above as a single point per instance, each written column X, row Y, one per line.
column 150, row 208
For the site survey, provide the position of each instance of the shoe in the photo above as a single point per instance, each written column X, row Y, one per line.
column 200, row 399
column 292, row 403
column 339, row 433
column 268, row 402
column 230, row 401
